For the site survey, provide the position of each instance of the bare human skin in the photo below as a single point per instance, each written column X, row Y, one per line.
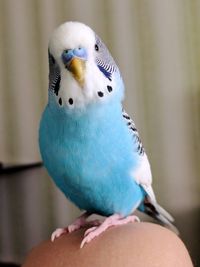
column 133, row 244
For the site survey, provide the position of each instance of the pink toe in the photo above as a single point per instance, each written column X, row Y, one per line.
column 90, row 230
column 71, row 228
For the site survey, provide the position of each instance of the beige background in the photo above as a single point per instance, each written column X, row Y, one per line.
column 157, row 47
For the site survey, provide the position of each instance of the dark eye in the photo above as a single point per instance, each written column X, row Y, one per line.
column 96, row 47
column 66, row 51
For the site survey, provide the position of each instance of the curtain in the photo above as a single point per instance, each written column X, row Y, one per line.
column 157, row 47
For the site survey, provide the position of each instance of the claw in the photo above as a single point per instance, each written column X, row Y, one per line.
column 57, row 233
column 88, row 238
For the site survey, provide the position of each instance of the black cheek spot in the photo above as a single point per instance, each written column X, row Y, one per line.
column 109, row 88
column 60, row 101
column 100, row 94
column 71, row 101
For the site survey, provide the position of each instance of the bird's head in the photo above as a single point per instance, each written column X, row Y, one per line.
column 81, row 69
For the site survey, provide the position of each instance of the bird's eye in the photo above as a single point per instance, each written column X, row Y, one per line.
column 66, row 51
column 96, row 47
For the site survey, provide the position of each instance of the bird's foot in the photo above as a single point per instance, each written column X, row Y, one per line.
column 113, row 220
column 80, row 222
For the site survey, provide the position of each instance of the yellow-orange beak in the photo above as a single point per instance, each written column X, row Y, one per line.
column 77, row 68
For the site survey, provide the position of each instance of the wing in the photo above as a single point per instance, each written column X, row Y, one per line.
column 131, row 125
column 143, row 177
column 142, row 174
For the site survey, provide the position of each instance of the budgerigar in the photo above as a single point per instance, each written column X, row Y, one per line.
column 88, row 143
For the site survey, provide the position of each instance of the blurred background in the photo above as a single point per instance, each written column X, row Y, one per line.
column 157, row 47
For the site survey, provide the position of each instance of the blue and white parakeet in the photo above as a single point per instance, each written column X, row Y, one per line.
column 88, row 143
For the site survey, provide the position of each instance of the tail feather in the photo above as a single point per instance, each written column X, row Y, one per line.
column 164, row 212
column 167, row 223
column 157, row 212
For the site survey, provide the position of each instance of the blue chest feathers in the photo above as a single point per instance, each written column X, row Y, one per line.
column 89, row 155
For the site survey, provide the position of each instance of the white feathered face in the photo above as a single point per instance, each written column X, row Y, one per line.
column 81, row 69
